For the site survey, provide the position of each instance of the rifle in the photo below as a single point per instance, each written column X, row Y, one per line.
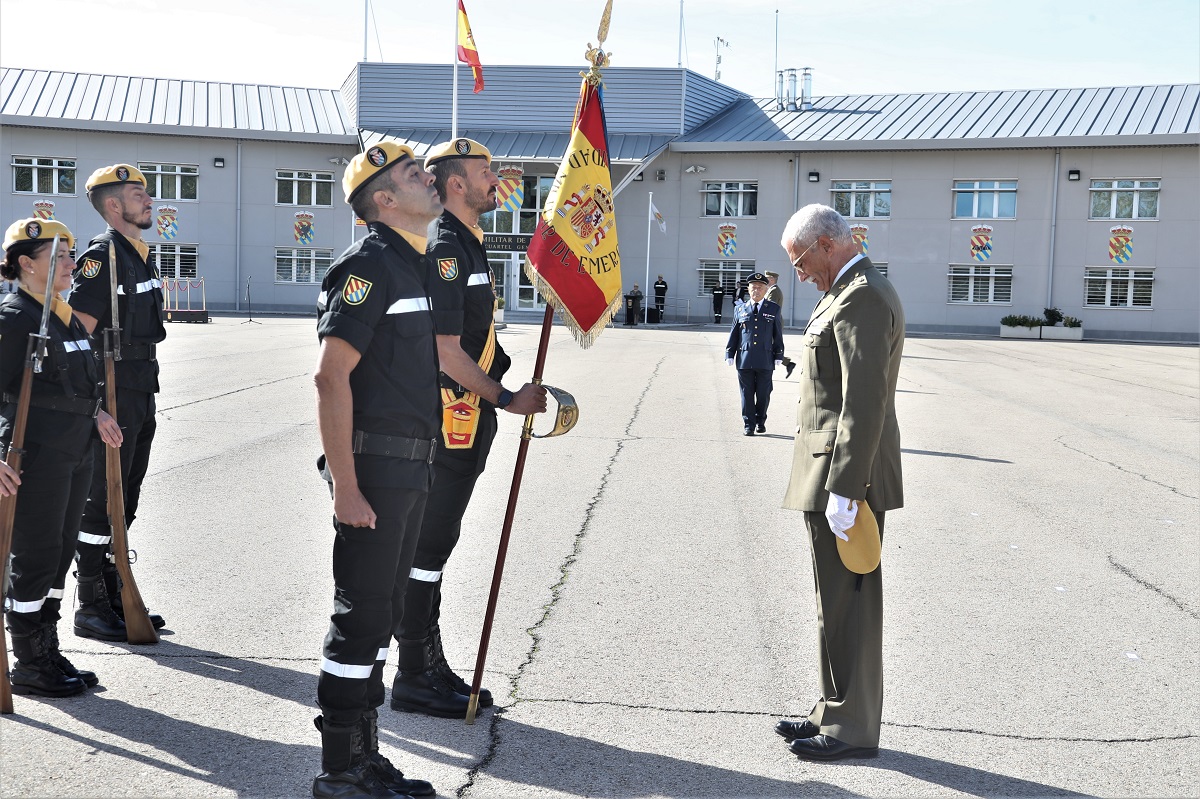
column 138, row 627
column 34, row 355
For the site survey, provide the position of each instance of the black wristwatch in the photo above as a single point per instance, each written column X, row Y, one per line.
column 504, row 399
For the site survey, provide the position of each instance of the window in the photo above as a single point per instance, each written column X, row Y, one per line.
column 301, row 264
column 985, row 199
column 730, row 199
column 980, row 284
column 882, row 267
column 533, row 199
column 1124, row 199
column 170, row 181
column 727, row 273
column 33, row 175
column 1119, row 288
column 175, row 260
column 862, row 199
column 294, row 187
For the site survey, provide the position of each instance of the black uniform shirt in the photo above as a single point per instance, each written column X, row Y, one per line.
column 374, row 298
column 139, row 304
column 69, row 370
column 660, row 288
column 461, row 291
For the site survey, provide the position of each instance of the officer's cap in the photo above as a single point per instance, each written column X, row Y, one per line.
column 772, row 275
column 35, row 229
column 457, row 148
column 367, row 166
column 115, row 175
column 757, row 277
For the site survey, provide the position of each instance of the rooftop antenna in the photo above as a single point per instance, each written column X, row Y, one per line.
column 719, row 43
column 679, row 62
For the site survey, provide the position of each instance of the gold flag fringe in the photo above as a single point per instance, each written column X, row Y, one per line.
column 585, row 338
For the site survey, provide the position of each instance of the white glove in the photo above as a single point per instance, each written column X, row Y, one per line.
column 778, row 364
column 840, row 512
column 729, row 361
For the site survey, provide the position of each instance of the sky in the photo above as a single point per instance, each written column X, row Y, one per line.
column 852, row 46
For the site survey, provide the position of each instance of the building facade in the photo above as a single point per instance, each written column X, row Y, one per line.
column 977, row 204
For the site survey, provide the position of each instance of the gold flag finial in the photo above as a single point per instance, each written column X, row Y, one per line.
column 596, row 56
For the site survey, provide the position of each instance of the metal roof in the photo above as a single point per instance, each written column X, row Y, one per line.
column 1101, row 117
column 118, row 103
column 623, row 148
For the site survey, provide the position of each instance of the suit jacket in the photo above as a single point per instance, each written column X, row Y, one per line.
column 847, row 437
column 756, row 342
column 775, row 295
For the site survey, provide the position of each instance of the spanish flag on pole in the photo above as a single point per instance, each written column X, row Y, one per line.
column 573, row 257
column 467, row 52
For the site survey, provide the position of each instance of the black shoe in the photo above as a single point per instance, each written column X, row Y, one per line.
column 346, row 772
column 34, row 673
column 792, row 730
column 394, row 779
column 420, row 688
column 762, row 428
column 95, row 617
column 790, row 366
column 89, row 678
column 453, row 680
column 822, row 747
column 748, row 430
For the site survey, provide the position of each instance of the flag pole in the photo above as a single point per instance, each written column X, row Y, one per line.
column 454, row 82
column 502, row 548
column 649, row 221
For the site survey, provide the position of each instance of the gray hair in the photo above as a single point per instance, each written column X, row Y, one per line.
column 813, row 221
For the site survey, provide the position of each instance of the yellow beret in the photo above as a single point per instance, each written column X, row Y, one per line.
column 35, row 229
column 115, row 175
column 368, row 165
column 457, row 148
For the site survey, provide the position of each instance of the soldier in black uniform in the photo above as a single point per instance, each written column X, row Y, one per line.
column 379, row 416
column 660, row 297
column 63, row 420
column 473, row 364
column 718, row 297
column 118, row 193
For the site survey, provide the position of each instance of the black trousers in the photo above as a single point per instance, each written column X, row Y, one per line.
column 370, row 572
column 454, row 478
column 135, row 412
column 54, row 487
column 756, row 394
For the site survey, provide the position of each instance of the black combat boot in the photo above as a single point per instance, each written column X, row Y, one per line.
column 419, row 687
column 112, row 583
column 346, row 774
column 95, row 617
column 388, row 774
column 65, row 666
column 452, row 679
column 35, row 673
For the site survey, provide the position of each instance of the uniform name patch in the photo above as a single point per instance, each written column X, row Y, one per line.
column 356, row 290
column 448, row 268
column 90, row 268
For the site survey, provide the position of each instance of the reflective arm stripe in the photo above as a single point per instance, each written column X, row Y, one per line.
column 323, row 299
column 143, row 287
column 424, row 576
column 382, row 654
column 349, row 672
column 478, row 279
column 98, row 540
column 409, row 305
column 77, row 346
column 54, row 593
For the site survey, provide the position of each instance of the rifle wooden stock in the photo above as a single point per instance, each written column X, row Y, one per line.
column 8, row 511
column 138, row 627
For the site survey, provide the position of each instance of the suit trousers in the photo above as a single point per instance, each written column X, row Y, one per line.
column 850, row 641
column 756, row 394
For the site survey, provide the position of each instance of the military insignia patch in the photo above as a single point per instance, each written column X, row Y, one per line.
column 90, row 268
column 377, row 156
column 356, row 290
column 33, row 230
column 448, row 268
column 122, row 173
column 462, row 146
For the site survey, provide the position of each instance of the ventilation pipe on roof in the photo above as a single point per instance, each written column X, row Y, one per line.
column 791, row 89
column 779, row 90
column 806, row 90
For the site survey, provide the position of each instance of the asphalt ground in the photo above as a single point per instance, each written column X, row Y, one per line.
column 1042, row 600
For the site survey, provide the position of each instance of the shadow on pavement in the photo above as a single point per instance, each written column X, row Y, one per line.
column 965, row 778
column 952, row 455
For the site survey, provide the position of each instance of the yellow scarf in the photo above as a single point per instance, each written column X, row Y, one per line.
column 58, row 306
column 418, row 242
column 142, row 247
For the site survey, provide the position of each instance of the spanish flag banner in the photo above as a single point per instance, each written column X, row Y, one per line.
column 573, row 258
column 467, row 52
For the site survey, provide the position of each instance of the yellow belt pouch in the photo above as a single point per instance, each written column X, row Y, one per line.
column 460, row 419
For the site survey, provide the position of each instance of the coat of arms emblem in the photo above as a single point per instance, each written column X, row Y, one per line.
column 167, row 223
column 859, row 234
column 305, row 231
column 981, row 242
column 591, row 214
column 727, row 239
column 43, row 209
column 1120, row 244
column 511, row 190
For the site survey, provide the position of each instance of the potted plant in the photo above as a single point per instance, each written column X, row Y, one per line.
column 499, row 313
column 1071, row 330
column 1020, row 326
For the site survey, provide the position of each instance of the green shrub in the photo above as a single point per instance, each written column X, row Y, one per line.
column 1020, row 320
column 1071, row 321
column 500, row 303
column 1053, row 316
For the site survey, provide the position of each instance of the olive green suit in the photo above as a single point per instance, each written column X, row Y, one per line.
column 848, row 443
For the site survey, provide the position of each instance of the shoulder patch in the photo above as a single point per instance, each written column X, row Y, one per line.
column 90, row 267
column 448, row 268
column 356, row 290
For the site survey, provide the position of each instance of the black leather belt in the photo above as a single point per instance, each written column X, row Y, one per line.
column 81, row 406
column 137, row 352
column 413, row 449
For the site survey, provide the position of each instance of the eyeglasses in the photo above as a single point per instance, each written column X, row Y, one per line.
column 799, row 258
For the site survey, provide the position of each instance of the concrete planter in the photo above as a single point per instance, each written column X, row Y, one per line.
column 499, row 319
column 1062, row 334
column 1020, row 332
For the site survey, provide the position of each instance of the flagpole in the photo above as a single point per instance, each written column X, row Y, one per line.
column 454, row 83
column 649, row 221
column 502, row 549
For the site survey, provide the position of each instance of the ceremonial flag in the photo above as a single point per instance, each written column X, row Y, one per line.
column 573, row 258
column 467, row 52
column 658, row 217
